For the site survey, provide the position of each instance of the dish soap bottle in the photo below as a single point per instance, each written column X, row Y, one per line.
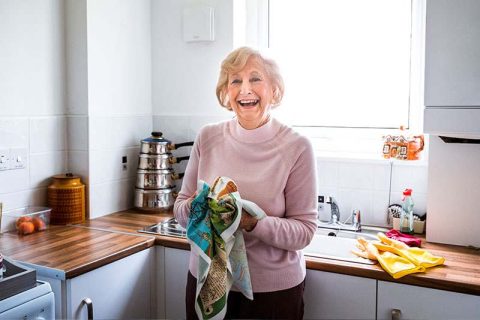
column 406, row 216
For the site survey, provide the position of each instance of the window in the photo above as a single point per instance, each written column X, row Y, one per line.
column 347, row 64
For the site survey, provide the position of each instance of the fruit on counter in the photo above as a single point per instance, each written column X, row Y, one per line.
column 39, row 224
column 23, row 219
column 26, row 227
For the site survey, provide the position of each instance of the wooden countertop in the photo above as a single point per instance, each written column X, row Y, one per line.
column 105, row 239
column 72, row 250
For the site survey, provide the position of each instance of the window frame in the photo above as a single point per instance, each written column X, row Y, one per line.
column 251, row 28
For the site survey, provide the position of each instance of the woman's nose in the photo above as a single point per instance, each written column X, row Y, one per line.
column 246, row 87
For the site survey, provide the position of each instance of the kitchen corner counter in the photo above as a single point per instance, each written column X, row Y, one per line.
column 80, row 248
column 71, row 251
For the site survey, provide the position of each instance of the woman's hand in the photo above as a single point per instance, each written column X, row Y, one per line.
column 247, row 222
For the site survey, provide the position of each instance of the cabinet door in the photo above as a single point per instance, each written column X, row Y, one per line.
column 424, row 303
column 452, row 51
column 176, row 268
column 119, row 290
column 336, row 296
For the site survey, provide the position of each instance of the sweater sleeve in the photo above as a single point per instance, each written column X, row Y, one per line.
column 295, row 230
column 181, row 208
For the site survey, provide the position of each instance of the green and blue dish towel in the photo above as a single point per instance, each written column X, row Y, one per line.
column 213, row 234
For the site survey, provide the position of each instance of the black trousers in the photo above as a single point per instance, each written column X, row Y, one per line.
column 283, row 304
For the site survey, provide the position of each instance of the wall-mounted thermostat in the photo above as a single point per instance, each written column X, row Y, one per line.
column 198, row 24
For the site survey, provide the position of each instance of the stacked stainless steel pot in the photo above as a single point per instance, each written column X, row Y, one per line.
column 155, row 186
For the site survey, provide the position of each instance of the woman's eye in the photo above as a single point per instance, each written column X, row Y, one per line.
column 255, row 79
column 236, row 81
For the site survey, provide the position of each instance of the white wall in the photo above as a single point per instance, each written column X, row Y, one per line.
column 114, row 71
column 32, row 97
column 75, row 90
column 119, row 98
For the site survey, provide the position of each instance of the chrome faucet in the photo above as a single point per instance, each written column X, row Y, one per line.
column 334, row 210
column 356, row 220
column 335, row 223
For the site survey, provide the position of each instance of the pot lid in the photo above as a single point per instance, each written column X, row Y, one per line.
column 157, row 138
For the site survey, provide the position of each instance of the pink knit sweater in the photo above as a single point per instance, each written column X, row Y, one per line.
column 274, row 167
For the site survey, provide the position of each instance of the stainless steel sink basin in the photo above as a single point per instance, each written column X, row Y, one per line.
column 338, row 244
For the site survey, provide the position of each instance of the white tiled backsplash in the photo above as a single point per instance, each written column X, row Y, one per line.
column 44, row 138
column 60, row 143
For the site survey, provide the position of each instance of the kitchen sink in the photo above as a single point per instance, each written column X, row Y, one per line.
column 338, row 244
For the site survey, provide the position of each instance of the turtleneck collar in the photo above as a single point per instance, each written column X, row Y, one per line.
column 257, row 135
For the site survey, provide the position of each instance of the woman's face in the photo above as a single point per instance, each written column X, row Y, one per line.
column 250, row 94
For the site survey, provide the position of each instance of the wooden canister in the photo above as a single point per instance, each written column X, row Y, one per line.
column 66, row 197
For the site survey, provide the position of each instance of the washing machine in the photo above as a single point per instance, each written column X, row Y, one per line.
column 35, row 303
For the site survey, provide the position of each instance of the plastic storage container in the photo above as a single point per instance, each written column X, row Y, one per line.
column 34, row 219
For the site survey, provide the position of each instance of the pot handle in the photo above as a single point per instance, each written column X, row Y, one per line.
column 178, row 159
column 179, row 145
column 177, row 176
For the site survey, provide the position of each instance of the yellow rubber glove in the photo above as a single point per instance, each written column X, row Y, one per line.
column 418, row 256
column 395, row 265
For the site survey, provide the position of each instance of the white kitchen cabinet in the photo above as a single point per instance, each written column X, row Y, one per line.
column 337, row 296
column 176, row 268
column 452, row 51
column 425, row 303
column 122, row 289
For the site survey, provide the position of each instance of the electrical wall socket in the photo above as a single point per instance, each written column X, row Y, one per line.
column 18, row 158
column 4, row 156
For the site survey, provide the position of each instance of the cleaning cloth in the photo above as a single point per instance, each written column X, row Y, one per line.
column 418, row 256
column 395, row 265
column 396, row 257
column 213, row 234
column 409, row 240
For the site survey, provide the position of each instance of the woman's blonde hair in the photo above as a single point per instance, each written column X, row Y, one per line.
column 235, row 62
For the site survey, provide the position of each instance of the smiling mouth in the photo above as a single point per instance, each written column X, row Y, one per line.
column 248, row 103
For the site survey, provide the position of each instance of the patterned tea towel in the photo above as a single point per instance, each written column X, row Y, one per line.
column 212, row 233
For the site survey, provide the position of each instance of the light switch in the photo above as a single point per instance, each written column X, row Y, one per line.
column 18, row 158
column 4, row 154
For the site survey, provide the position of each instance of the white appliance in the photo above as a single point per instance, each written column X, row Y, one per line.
column 452, row 100
column 35, row 303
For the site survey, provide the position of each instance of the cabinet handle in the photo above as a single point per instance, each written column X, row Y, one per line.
column 89, row 304
column 396, row 314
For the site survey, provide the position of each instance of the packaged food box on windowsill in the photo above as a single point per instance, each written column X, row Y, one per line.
column 26, row 220
column 418, row 226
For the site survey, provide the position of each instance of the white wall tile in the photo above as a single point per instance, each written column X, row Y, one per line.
column 48, row 134
column 327, row 173
column 381, row 176
column 45, row 165
column 109, row 197
column 13, row 132
column 379, row 209
column 118, row 132
column 77, row 133
column 14, row 180
column 410, row 176
column 355, row 175
column 30, row 197
column 77, row 163
column 106, row 165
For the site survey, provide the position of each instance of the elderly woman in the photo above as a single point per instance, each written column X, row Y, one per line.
column 272, row 166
